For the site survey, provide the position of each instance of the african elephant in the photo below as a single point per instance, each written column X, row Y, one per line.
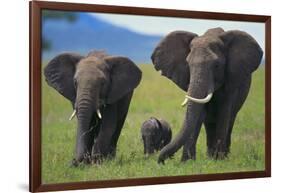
column 215, row 70
column 100, row 88
column 155, row 135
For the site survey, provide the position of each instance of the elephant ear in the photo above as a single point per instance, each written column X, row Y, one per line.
column 59, row 74
column 243, row 55
column 125, row 76
column 170, row 57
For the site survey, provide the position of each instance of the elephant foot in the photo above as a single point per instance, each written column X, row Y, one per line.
column 74, row 163
column 220, row 155
column 211, row 152
column 112, row 153
column 99, row 154
column 220, row 151
column 217, row 155
column 97, row 158
column 85, row 159
column 188, row 155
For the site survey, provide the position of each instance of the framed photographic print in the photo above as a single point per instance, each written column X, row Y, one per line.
column 124, row 96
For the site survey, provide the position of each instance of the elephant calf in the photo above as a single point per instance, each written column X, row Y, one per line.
column 155, row 135
column 100, row 88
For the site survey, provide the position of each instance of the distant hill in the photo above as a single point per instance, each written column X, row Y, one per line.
column 89, row 32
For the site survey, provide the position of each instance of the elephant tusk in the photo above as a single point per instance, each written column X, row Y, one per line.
column 72, row 115
column 184, row 102
column 99, row 114
column 201, row 101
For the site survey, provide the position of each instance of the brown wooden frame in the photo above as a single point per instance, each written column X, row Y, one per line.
column 35, row 7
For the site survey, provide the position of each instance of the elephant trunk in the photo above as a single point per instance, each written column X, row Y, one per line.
column 199, row 88
column 86, row 108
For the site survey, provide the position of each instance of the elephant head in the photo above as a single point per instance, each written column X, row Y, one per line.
column 200, row 65
column 155, row 135
column 91, row 83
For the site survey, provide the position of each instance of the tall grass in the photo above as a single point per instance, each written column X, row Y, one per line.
column 159, row 97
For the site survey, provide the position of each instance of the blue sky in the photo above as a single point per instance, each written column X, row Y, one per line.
column 162, row 25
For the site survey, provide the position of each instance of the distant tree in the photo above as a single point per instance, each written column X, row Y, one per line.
column 55, row 15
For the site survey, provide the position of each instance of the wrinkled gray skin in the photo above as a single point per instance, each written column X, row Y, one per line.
column 155, row 135
column 217, row 62
column 97, row 81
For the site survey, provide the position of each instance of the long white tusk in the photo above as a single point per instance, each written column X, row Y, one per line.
column 99, row 114
column 72, row 115
column 201, row 101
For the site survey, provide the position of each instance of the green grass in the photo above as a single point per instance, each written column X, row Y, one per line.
column 159, row 97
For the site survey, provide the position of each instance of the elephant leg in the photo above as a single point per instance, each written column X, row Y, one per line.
column 102, row 143
column 223, row 151
column 210, row 125
column 95, row 127
column 189, row 150
column 210, row 128
column 239, row 101
column 94, row 130
column 122, row 110
column 224, row 122
column 212, row 138
column 229, row 131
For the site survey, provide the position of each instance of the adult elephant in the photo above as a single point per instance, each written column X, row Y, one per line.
column 215, row 70
column 99, row 88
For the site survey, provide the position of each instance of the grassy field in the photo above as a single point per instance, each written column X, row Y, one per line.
column 159, row 97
